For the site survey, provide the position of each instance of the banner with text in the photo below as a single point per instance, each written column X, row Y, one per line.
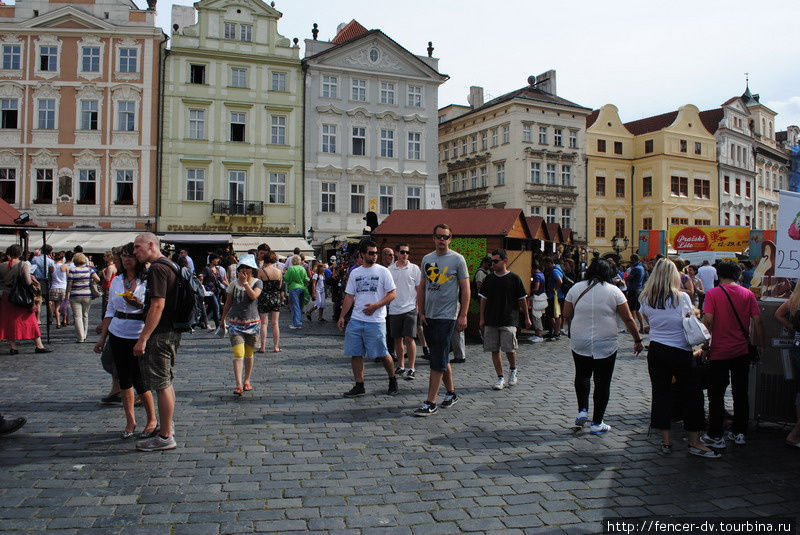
column 787, row 236
column 707, row 238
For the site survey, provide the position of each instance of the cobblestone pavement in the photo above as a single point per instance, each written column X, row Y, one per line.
column 294, row 456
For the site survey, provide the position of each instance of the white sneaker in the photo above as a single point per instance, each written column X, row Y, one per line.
column 581, row 418
column 564, row 332
column 500, row 384
column 738, row 438
column 513, row 379
column 536, row 339
column 716, row 443
column 600, row 429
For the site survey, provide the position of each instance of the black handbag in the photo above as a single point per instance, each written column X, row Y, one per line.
column 21, row 293
column 752, row 351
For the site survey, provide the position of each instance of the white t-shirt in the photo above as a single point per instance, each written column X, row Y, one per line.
column 593, row 330
column 666, row 325
column 59, row 278
column 124, row 328
column 406, row 279
column 707, row 274
column 369, row 285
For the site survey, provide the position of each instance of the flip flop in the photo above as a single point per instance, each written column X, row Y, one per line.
column 260, row 351
column 237, row 391
column 247, row 387
column 278, row 350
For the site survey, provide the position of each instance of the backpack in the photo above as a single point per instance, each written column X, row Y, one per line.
column 186, row 308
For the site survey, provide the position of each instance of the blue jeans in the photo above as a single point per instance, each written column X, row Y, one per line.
column 212, row 303
column 295, row 302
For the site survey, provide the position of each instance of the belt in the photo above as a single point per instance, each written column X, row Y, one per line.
column 129, row 316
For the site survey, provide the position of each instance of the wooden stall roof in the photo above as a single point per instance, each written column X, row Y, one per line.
column 536, row 227
column 506, row 222
column 552, row 232
column 566, row 235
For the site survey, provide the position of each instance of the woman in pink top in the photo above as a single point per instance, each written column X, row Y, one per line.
column 729, row 347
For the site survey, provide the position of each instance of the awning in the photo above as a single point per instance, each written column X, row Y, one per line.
column 344, row 238
column 197, row 238
column 93, row 242
column 279, row 244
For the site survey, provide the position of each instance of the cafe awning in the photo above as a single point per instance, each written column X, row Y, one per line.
column 279, row 244
column 93, row 242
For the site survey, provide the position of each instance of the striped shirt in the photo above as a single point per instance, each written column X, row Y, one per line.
column 80, row 278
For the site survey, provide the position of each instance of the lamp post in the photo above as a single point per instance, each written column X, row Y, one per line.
column 616, row 246
column 310, row 234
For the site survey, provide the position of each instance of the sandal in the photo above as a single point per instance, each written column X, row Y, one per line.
column 261, row 350
column 127, row 434
column 237, row 391
column 149, row 434
column 247, row 387
column 278, row 350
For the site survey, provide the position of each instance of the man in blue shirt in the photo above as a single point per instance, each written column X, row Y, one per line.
column 555, row 297
column 635, row 282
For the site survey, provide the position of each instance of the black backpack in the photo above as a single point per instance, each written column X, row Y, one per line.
column 188, row 301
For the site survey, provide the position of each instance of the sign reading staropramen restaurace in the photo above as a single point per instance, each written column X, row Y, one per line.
column 228, row 229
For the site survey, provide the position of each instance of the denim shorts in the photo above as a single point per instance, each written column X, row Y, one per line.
column 365, row 339
column 437, row 335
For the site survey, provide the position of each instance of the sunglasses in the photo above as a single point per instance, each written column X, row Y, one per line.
column 402, row 252
column 371, row 253
column 442, row 236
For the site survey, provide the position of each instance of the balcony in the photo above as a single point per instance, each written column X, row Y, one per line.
column 225, row 209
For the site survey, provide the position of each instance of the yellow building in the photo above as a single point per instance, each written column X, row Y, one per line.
column 664, row 172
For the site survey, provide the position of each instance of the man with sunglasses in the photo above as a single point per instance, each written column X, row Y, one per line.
column 403, row 311
column 369, row 289
column 446, row 284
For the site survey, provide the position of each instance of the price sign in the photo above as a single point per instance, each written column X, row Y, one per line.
column 787, row 236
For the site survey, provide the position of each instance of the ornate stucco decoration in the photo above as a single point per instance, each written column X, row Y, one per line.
column 11, row 90
column 47, row 40
column 90, row 40
column 9, row 158
column 373, row 57
column 128, row 43
column 10, row 39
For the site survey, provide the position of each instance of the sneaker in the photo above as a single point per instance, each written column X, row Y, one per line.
column 536, row 339
column 737, row 438
column 157, row 443
column 393, row 390
column 703, row 453
column 564, row 332
column 398, row 371
column 583, row 415
column 426, row 409
column 716, row 443
column 458, row 360
column 500, row 384
column 410, row 375
column 513, row 379
column 294, row 326
column 600, row 429
column 449, row 400
column 355, row 392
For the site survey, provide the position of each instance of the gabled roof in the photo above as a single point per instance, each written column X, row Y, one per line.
column 462, row 221
column 731, row 101
column 67, row 12
column 552, row 232
column 712, row 118
column 534, row 223
column 651, row 124
column 352, row 30
column 591, row 118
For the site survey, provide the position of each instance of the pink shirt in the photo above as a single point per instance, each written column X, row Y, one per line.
column 727, row 339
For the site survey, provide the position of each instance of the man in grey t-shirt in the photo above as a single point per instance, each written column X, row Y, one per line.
column 445, row 285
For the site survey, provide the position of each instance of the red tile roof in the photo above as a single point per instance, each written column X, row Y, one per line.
column 8, row 214
column 463, row 221
column 534, row 224
column 552, row 232
column 591, row 118
column 352, row 30
column 711, row 119
column 651, row 124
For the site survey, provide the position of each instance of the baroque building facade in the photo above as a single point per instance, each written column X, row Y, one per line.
column 79, row 118
column 524, row 149
column 370, row 129
column 232, row 129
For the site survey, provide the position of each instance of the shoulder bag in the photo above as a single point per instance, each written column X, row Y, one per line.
column 695, row 331
column 752, row 351
column 21, row 294
column 575, row 305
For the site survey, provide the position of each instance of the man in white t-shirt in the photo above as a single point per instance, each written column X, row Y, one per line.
column 707, row 274
column 370, row 288
column 403, row 310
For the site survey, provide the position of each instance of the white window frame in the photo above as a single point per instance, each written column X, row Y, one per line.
column 123, row 176
column 10, row 178
column 52, row 53
column 566, row 218
column 542, row 135
column 329, row 86
column 229, row 31
column 494, row 137
column 127, row 63
column 197, row 123
column 124, row 115
column 414, row 99
column 327, row 197
column 238, row 77
column 43, row 107
column 415, row 145
column 10, row 104
column 328, row 138
column 238, row 117
column 279, row 81
column 558, row 137
column 550, row 215
column 36, row 181
column 84, row 176
column 84, row 109
column 500, row 173
column 536, row 173
column 278, row 130
column 386, row 199
column 473, row 178
column 566, row 175
column 358, row 132
column 527, row 133
column 387, row 143
column 12, row 52
column 246, row 33
column 484, row 176
column 388, row 93
column 277, row 187
column 91, row 58
column 573, row 139
column 358, row 193
column 551, row 174
column 195, row 177
column 413, row 193
column 506, row 134
column 536, row 211
column 358, row 91
column 484, row 140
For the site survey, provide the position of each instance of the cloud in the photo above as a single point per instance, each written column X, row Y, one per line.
column 788, row 112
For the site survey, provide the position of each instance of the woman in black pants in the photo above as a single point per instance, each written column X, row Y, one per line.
column 670, row 355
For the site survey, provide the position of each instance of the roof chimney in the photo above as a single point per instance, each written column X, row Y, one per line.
column 475, row 98
column 340, row 27
column 545, row 82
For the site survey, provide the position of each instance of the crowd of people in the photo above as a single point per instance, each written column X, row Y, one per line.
column 386, row 305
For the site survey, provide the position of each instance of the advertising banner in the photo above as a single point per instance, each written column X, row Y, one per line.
column 758, row 237
column 651, row 243
column 787, row 235
column 707, row 238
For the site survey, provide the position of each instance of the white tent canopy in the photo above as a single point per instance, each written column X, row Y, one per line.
column 279, row 244
column 92, row 241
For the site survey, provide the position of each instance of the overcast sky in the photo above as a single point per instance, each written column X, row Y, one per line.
column 646, row 58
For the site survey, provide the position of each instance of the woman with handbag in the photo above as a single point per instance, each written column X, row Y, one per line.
column 593, row 305
column 665, row 306
column 19, row 319
column 79, row 292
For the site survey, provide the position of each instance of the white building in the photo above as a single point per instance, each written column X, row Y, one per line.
column 370, row 129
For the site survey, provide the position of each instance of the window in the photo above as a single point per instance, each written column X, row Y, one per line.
column 679, row 221
column 195, row 184
column 454, row 183
column 473, row 175
column 600, row 186
column 647, row 223
column 415, row 96
column 573, row 140
column 238, row 77
column 698, row 147
column 44, row 186
column 197, row 124
column 551, row 174
column 328, row 197
column 543, row 135
column 536, row 210
column 387, row 92
column 566, row 175
column 413, row 198
column 230, row 30
column 738, row 186
column 9, row 113
column 414, row 146
column 618, row 147
column 127, row 59
column 648, row 146
column 464, row 181
column 12, row 57
column 746, row 221
column 464, row 147
column 726, row 184
column 702, row 189
column 455, row 149
column 89, row 114
column 506, row 134
column 87, row 185
column 386, row 199
column 330, row 86
column 278, row 134
column 48, row 58
column 387, row 143
column 360, row 142
column 702, row 221
column 600, row 227
column 683, row 145
column 8, row 185
column 279, row 81
column 679, row 186
column 566, row 218
column 445, row 151
column 557, row 138
column 727, row 219
column 619, row 227
column 359, row 90
column 246, row 33
column 90, row 59
column 484, row 177
column 357, row 196
column 47, row 114
column 601, row 145
column 474, row 144
column 484, row 140
column 620, row 188
column 329, row 138
column 197, row 74
column 526, row 133
column 550, row 215
column 277, row 188
column 494, row 137
column 647, row 186
column 747, row 188
column 536, row 173
column 124, row 180
column 126, row 115
column 237, row 126
column 500, row 172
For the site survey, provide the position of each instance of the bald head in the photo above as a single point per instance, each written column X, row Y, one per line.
column 147, row 247
column 387, row 256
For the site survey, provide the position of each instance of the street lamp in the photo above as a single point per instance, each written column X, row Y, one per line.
column 615, row 244
column 310, row 234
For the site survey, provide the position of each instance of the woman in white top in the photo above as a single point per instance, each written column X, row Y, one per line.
column 317, row 291
column 670, row 355
column 58, row 286
column 592, row 306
